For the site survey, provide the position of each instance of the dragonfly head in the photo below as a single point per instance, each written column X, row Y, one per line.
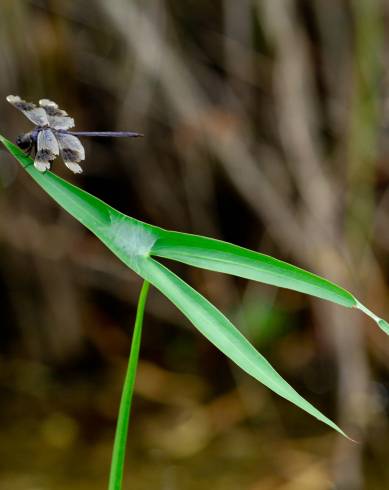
column 24, row 141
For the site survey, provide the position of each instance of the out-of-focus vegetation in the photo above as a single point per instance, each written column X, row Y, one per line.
column 271, row 114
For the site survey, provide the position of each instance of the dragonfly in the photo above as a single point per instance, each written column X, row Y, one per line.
column 51, row 136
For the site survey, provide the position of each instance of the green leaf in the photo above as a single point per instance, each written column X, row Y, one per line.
column 129, row 237
column 219, row 256
column 134, row 242
column 222, row 333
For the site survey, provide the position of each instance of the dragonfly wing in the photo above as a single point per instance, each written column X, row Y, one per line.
column 58, row 118
column 35, row 114
column 47, row 149
column 72, row 151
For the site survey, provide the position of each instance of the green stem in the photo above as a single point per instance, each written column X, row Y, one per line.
column 119, row 447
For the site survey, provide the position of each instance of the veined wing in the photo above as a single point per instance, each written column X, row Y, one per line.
column 71, row 150
column 58, row 118
column 35, row 114
column 47, row 149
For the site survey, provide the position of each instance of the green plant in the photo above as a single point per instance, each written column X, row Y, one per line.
column 137, row 243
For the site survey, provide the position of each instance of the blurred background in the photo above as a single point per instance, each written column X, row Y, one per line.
column 266, row 124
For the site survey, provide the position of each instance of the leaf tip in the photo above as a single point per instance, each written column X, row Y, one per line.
column 384, row 325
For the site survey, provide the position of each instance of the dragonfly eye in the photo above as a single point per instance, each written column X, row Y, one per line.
column 23, row 141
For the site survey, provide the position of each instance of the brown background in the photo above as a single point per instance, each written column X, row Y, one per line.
column 299, row 91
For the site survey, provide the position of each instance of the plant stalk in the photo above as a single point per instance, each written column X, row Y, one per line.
column 119, row 447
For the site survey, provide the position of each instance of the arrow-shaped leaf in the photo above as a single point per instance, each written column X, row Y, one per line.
column 134, row 242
